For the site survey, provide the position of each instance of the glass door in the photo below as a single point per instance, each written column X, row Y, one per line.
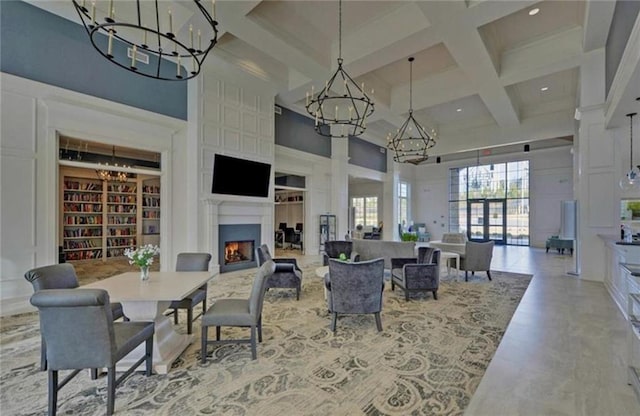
column 487, row 220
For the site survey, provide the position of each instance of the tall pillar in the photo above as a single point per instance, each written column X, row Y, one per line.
column 340, row 182
column 595, row 171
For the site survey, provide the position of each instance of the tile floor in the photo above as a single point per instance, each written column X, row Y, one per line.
column 564, row 352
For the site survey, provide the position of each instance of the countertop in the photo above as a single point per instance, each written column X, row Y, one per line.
column 634, row 269
column 615, row 239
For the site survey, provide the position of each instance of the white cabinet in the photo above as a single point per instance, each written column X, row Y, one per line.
column 633, row 361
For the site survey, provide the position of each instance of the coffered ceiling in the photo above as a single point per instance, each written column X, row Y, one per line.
column 486, row 74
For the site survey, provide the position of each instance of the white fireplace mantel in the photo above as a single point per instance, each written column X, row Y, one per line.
column 229, row 209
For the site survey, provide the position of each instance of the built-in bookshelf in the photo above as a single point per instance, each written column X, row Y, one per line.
column 100, row 219
column 82, row 218
column 122, row 208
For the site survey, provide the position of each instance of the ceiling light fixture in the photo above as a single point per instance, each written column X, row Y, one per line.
column 411, row 141
column 106, row 174
column 631, row 180
column 534, row 12
column 144, row 39
column 544, row 88
column 459, row 110
column 340, row 109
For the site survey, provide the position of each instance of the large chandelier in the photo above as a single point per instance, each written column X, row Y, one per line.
column 342, row 103
column 141, row 36
column 411, row 141
column 106, row 174
column 631, row 180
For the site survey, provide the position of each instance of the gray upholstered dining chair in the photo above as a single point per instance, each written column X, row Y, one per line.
column 287, row 273
column 421, row 274
column 239, row 313
column 333, row 249
column 79, row 332
column 477, row 258
column 355, row 288
column 60, row 276
column 191, row 262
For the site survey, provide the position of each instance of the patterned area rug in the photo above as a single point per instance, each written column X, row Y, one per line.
column 428, row 360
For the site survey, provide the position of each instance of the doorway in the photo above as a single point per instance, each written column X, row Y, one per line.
column 487, row 219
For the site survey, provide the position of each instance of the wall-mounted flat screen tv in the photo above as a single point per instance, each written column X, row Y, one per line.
column 233, row 176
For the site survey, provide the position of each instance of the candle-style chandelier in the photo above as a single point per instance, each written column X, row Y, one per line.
column 140, row 36
column 106, row 174
column 411, row 141
column 342, row 103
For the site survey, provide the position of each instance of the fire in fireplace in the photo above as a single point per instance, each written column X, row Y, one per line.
column 238, row 251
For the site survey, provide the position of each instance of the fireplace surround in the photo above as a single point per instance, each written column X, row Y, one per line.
column 236, row 245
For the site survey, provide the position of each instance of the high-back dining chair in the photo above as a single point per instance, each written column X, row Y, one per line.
column 60, row 276
column 238, row 312
column 79, row 332
column 191, row 262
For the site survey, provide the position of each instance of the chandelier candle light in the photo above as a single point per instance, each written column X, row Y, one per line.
column 141, row 37
column 106, row 174
column 411, row 141
column 342, row 103
column 143, row 258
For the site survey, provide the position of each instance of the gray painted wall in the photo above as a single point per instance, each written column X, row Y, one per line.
column 296, row 131
column 41, row 46
column 367, row 155
column 624, row 17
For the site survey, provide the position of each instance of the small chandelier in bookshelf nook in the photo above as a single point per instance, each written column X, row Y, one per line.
column 106, row 174
column 631, row 179
column 411, row 141
column 142, row 37
column 342, row 103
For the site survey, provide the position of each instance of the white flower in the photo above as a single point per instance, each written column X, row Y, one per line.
column 142, row 256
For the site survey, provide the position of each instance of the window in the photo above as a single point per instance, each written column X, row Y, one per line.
column 507, row 182
column 403, row 203
column 365, row 210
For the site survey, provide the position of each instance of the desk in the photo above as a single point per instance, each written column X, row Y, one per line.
column 147, row 301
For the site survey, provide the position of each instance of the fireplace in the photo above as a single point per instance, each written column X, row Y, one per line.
column 239, row 251
column 236, row 246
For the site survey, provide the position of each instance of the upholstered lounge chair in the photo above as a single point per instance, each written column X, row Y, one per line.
column 477, row 258
column 355, row 288
column 421, row 274
column 333, row 249
column 287, row 273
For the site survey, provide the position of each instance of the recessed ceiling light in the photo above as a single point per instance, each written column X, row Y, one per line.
column 533, row 12
column 458, row 109
column 544, row 88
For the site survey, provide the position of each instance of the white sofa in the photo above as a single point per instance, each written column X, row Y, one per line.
column 451, row 242
column 372, row 249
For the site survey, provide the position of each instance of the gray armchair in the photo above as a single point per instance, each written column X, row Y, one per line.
column 355, row 288
column 191, row 262
column 61, row 276
column 477, row 258
column 79, row 332
column 421, row 274
column 333, row 249
column 239, row 313
column 287, row 273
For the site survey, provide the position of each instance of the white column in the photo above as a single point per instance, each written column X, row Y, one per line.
column 340, row 183
column 210, row 229
column 596, row 186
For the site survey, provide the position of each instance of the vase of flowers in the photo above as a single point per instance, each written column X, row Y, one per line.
column 143, row 258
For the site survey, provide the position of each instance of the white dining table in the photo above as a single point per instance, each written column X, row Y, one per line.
column 147, row 301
